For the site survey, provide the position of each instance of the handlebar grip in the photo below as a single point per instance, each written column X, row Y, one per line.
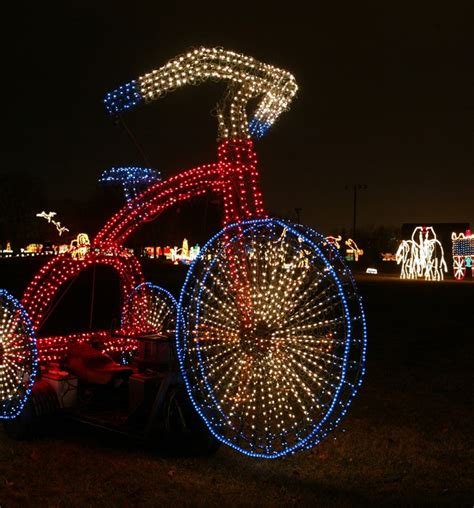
column 124, row 98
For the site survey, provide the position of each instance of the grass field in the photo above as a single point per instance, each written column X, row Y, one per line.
column 408, row 438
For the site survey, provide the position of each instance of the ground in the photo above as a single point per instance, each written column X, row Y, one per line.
column 407, row 438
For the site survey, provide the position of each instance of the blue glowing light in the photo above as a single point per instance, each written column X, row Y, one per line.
column 352, row 361
column 161, row 297
column 132, row 179
column 463, row 246
column 19, row 358
column 123, row 98
column 257, row 128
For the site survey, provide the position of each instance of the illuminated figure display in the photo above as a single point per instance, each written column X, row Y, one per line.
column 463, row 253
column 185, row 254
column 80, row 246
column 49, row 217
column 270, row 331
column 422, row 256
column 352, row 252
column 335, row 240
column 388, row 256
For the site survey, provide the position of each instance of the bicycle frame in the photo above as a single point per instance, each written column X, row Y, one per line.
column 234, row 178
column 270, row 332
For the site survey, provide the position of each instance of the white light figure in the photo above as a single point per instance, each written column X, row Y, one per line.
column 61, row 229
column 422, row 256
column 185, row 254
column 49, row 217
column 353, row 250
column 80, row 247
column 334, row 240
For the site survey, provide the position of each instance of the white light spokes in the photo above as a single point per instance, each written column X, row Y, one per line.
column 265, row 376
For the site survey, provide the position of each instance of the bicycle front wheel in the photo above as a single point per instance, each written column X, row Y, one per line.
column 271, row 337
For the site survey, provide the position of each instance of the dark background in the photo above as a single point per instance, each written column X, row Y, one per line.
column 385, row 99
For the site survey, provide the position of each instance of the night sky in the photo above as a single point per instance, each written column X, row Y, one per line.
column 385, row 99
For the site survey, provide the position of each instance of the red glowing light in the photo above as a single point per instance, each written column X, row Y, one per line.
column 234, row 177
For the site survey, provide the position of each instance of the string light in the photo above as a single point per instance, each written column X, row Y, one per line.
column 125, row 97
column 18, row 356
column 388, row 256
column 150, row 309
column 49, row 217
column 283, row 382
column 270, row 331
column 80, row 247
column 422, row 256
column 132, row 179
column 463, row 253
column 46, row 215
column 44, row 287
column 353, row 252
column 55, row 348
column 247, row 79
column 335, row 240
column 236, row 168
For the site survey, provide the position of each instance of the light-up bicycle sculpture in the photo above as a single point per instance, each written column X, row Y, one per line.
column 270, row 334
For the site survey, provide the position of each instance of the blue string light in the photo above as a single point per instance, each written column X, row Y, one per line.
column 17, row 338
column 354, row 355
column 132, row 179
column 257, row 128
column 123, row 98
column 463, row 246
column 150, row 289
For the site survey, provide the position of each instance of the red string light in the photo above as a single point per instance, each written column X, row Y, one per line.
column 234, row 177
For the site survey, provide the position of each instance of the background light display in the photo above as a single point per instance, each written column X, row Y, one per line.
column 463, row 253
column 422, row 256
column 49, row 217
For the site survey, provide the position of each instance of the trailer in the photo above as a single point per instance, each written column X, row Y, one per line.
column 463, row 253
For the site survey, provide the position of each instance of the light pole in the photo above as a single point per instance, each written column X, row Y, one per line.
column 298, row 212
column 355, row 187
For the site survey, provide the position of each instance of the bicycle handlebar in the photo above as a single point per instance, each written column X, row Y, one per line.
column 247, row 78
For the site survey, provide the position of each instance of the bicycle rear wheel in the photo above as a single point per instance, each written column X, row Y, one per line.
column 18, row 356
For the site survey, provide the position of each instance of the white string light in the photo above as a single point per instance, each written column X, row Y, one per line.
column 422, row 256
column 272, row 360
column 18, row 357
column 49, row 217
column 247, row 77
